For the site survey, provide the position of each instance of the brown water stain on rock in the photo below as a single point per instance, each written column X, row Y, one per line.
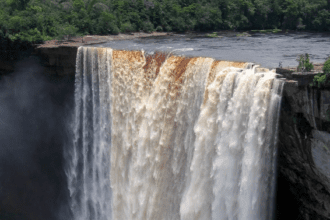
column 154, row 62
column 130, row 56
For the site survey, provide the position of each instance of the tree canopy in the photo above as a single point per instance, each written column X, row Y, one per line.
column 39, row 20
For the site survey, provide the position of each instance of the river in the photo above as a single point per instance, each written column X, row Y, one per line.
column 265, row 49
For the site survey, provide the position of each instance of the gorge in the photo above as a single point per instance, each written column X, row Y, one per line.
column 303, row 131
column 189, row 138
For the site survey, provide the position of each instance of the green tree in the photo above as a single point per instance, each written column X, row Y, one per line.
column 323, row 79
column 262, row 11
column 107, row 24
column 322, row 20
column 292, row 13
column 65, row 29
column 17, row 4
column 78, row 5
column 90, row 5
column 15, row 23
column 304, row 64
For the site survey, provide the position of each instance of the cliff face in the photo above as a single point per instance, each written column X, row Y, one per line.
column 60, row 56
column 61, row 60
column 304, row 135
column 304, row 146
column 304, row 132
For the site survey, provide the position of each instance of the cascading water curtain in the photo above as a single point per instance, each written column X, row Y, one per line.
column 169, row 137
column 88, row 170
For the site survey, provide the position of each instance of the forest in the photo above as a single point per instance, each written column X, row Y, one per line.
column 40, row 20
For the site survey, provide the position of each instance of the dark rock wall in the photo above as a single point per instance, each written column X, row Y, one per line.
column 60, row 61
column 304, row 138
column 35, row 112
column 305, row 112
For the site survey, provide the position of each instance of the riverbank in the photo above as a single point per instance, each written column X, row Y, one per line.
column 98, row 39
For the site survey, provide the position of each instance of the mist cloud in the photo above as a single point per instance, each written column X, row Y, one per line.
column 34, row 112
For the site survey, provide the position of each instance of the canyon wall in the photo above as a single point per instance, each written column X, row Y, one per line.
column 304, row 132
column 304, row 144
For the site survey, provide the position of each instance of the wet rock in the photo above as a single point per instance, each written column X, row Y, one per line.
column 304, row 112
column 6, row 66
column 302, row 131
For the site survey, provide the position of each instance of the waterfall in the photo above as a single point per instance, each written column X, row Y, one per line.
column 170, row 137
column 88, row 168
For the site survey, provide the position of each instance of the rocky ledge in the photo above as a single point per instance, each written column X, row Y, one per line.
column 96, row 39
column 304, row 142
column 60, row 56
column 301, row 78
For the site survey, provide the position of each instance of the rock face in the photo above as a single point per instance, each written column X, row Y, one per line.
column 304, row 134
column 304, row 129
column 304, row 144
column 60, row 56
column 61, row 60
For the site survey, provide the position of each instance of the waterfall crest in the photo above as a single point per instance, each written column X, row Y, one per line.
column 169, row 137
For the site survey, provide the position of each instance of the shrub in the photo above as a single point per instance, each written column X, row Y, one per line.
column 304, row 64
column 106, row 24
column 323, row 79
column 66, row 29
column 127, row 27
column 179, row 24
column 113, row 29
column 159, row 29
column 168, row 28
column 148, row 27
column 326, row 67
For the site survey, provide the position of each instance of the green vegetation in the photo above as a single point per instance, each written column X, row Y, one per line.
column 40, row 20
column 214, row 34
column 275, row 30
column 304, row 64
column 323, row 79
column 326, row 66
column 244, row 34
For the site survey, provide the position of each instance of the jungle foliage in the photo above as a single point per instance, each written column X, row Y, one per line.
column 323, row 79
column 40, row 20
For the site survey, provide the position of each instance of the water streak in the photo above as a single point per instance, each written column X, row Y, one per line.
column 88, row 168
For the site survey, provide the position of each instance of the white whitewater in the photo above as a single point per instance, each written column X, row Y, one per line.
column 169, row 137
column 88, row 169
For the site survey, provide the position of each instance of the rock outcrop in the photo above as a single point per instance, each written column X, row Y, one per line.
column 304, row 130
column 304, row 145
column 61, row 60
